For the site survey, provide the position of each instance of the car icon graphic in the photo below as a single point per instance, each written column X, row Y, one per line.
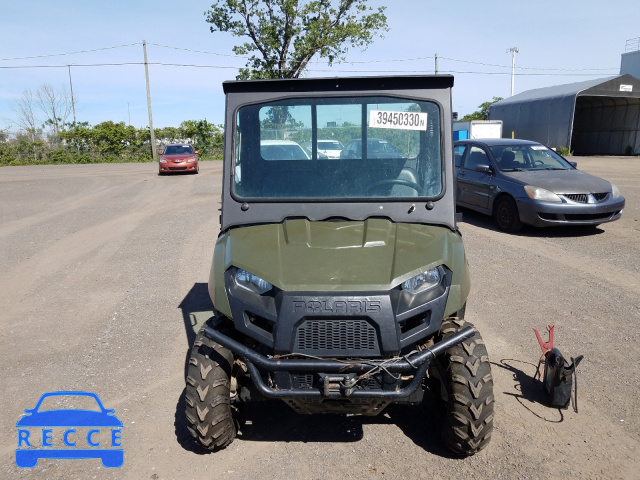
column 102, row 418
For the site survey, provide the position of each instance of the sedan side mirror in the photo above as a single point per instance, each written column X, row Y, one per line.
column 484, row 169
column 574, row 164
column 159, row 152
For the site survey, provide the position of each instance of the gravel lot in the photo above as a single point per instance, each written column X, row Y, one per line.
column 103, row 272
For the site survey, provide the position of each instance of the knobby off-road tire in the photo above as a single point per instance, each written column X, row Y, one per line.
column 208, row 400
column 465, row 373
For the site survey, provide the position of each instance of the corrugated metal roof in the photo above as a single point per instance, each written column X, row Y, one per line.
column 598, row 116
column 569, row 89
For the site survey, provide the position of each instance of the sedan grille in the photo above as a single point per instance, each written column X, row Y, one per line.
column 585, row 197
column 576, row 197
column 600, row 196
column 337, row 337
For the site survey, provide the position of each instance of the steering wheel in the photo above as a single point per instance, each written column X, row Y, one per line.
column 538, row 162
column 395, row 181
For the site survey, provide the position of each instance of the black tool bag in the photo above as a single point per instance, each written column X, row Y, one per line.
column 559, row 379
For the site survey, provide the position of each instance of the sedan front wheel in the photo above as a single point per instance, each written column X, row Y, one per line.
column 506, row 215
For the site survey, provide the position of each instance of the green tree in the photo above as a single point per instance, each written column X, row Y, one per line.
column 483, row 113
column 113, row 138
column 206, row 136
column 284, row 35
column 78, row 136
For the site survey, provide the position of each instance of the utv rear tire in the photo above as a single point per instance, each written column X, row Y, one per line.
column 467, row 390
column 208, row 400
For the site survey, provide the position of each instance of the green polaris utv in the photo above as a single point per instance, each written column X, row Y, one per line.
column 339, row 277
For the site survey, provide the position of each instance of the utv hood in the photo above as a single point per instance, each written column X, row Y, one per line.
column 299, row 255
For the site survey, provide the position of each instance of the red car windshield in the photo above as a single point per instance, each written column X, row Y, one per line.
column 178, row 150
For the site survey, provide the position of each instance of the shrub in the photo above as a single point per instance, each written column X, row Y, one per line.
column 565, row 152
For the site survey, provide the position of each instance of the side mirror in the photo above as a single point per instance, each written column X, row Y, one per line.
column 197, row 152
column 160, row 152
column 484, row 169
column 574, row 164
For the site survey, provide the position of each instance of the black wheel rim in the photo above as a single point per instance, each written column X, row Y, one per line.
column 505, row 215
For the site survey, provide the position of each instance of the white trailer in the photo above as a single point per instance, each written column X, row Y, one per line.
column 477, row 129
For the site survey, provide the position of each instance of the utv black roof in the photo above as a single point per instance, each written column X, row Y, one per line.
column 436, row 88
column 338, row 84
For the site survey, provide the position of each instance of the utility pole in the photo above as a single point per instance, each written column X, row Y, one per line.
column 513, row 52
column 146, row 73
column 73, row 104
column 436, row 58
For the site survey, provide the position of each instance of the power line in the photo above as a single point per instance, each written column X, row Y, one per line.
column 197, row 51
column 69, row 53
column 247, row 57
column 527, row 68
column 594, row 71
column 417, row 59
column 186, row 65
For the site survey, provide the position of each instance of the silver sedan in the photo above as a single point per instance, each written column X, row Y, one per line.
column 522, row 182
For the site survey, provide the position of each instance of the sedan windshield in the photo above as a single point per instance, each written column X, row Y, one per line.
column 178, row 150
column 528, row 157
column 328, row 149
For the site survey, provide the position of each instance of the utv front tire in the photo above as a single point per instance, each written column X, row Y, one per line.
column 208, row 399
column 467, row 391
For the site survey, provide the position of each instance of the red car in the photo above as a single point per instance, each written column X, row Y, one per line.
column 178, row 157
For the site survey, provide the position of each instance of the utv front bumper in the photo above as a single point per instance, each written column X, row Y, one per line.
column 340, row 378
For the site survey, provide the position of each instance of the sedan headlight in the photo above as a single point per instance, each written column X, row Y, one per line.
column 252, row 282
column 537, row 193
column 615, row 193
column 423, row 281
column 162, row 160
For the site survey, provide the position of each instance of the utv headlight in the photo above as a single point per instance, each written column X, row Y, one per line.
column 252, row 282
column 537, row 193
column 423, row 281
column 615, row 193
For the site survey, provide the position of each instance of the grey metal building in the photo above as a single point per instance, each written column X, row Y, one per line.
column 595, row 117
column 630, row 61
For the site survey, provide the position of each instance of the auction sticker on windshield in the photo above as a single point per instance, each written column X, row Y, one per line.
column 398, row 120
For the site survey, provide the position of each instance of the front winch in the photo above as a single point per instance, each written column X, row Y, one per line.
column 342, row 385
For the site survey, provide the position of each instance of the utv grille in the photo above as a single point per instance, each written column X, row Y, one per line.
column 337, row 337
column 304, row 380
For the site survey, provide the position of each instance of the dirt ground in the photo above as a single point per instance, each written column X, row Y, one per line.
column 103, row 272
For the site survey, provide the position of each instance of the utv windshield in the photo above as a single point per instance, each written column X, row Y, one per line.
column 330, row 149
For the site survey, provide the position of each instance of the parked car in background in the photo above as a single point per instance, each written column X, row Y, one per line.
column 522, row 182
column 282, row 150
column 178, row 157
column 376, row 148
column 327, row 149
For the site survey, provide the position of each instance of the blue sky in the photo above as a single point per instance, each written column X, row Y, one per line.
column 559, row 42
